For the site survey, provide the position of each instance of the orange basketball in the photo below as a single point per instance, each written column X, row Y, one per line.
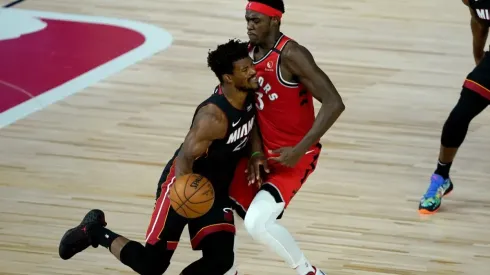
column 191, row 196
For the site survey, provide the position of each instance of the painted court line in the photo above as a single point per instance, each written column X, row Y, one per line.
column 11, row 4
column 156, row 39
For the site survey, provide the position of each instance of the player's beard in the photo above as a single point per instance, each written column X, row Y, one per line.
column 247, row 89
column 253, row 41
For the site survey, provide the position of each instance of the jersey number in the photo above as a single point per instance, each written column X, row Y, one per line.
column 260, row 104
column 241, row 144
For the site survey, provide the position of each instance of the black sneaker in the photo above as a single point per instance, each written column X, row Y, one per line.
column 78, row 238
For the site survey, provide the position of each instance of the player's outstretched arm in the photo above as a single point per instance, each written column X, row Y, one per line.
column 299, row 61
column 257, row 158
column 210, row 123
column 479, row 30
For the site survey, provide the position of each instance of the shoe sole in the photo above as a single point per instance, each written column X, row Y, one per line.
column 428, row 212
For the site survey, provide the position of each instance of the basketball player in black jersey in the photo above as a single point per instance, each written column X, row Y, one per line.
column 474, row 98
column 217, row 139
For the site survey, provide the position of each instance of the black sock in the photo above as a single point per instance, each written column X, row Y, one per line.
column 443, row 169
column 103, row 236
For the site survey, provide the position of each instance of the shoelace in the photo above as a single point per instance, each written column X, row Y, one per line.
column 435, row 183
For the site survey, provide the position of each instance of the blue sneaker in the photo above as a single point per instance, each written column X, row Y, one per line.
column 438, row 188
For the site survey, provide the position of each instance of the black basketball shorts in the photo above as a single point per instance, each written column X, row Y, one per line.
column 166, row 226
column 479, row 79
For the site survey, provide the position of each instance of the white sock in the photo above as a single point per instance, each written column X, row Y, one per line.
column 260, row 222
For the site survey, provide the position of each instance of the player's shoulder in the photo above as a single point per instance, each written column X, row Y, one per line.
column 294, row 51
column 466, row 2
column 291, row 46
column 217, row 99
column 210, row 112
column 210, row 121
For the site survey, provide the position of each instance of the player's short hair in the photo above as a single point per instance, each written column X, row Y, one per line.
column 221, row 60
column 276, row 4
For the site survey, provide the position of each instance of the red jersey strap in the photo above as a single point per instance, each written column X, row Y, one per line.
column 282, row 42
column 218, row 90
column 279, row 48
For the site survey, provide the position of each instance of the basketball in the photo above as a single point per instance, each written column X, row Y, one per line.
column 191, row 196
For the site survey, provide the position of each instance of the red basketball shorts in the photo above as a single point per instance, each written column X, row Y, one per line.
column 282, row 182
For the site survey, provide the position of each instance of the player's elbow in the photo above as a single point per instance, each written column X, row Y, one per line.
column 335, row 106
column 340, row 106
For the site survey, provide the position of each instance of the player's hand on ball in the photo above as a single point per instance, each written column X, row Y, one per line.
column 255, row 163
column 287, row 156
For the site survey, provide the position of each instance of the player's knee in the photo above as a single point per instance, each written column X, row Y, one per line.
column 454, row 133
column 459, row 117
column 262, row 211
column 254, row 223
column 457, row 124
column 218, row 255
column 143, row 260
column 219, row 263
column 468, row 107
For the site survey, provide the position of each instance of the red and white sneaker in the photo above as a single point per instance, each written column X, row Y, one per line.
column 316, row 272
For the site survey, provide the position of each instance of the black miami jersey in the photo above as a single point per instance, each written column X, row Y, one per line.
column 481, row 8
column 219, row 162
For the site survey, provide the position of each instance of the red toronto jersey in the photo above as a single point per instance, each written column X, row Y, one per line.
column 285, row 111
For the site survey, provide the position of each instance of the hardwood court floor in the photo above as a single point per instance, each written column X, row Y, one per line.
column 399, row 67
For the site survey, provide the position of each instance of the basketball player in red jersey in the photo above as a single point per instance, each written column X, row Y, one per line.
column 216, row 141
column 289, row 79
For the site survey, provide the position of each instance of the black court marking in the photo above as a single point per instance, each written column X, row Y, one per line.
column 11, row 4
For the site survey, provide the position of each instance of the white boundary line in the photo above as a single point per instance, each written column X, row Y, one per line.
column 156, row 39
